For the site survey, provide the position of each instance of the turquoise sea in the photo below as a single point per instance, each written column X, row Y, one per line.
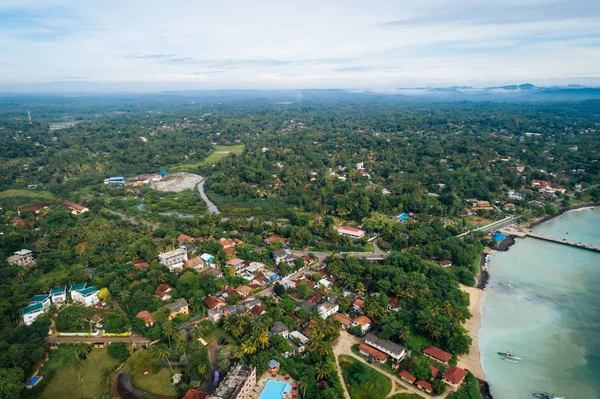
column 543, row 303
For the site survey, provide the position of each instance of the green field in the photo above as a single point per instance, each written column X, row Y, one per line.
column 213, row 158
column 364, row 382
column 45, row 195
column 406, row 396
column 60, row 380
column 159, row 384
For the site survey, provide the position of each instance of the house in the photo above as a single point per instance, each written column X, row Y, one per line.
column 44, row 300
column 327, row 309
column 180, row 306
column 358, row 305
column 174, row 260
column 189, row 248
column 540, row 184
column 227, row 243
column 298, row 336
column 115, row 180
column 75, row 209
column 516, row 196
column 140, row 264
column 454, row 376
column 272, row 238
column 214, row 303
column 89, row 296
column 238, row 384
column 477, row 205
column 351, row 232
column 308, row 306
column 23, row 257
column 283, row 255
column 446, row 263
column 324, row 283
column 278, row 328
column 163, row 291
column 74, row 291
column 316, row 297
column 194, row 393
column 216, row 273
column 31, row 312
column 395, row 351
column 344, row 320
column 233, row 310
column 393, row 303
column 363, row 322
column 194, row 263
column 408, row 377
column 35, row 208
column 372, row 353
column 258, row 311
column 58, row 295
column 147, row 317
column 237, row 263
column 437, row 354
column 425, row 386
column 434, row 371
column 403, row 217
column 184, row 238
column 208, row 259
column 244, row 290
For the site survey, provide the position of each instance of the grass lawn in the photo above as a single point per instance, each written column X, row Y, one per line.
column 406, row 396
column 362, row 381
column 60, row 380
column 231, row 148
column 45, row 195
column 159, row 384
column 219, row 152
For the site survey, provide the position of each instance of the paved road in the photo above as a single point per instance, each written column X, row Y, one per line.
column 138, row 339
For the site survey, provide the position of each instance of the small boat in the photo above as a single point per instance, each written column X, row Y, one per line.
column 508, row 355
column 544, row 395
column 510, row 360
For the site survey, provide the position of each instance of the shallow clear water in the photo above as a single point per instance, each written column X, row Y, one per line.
column 275, row 390
column 543, row 303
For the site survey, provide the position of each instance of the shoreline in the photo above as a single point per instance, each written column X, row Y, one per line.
column 472, row 361
column 561, row 212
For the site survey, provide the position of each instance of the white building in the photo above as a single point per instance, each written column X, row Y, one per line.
column 351, row 232
column 31, row 312
column 89, row 296
column 327, row 309
column 208, row 259
column 58, row 295
column 44, row 300
column 516, row 196
column 74, row 291
column 395, row 351
column 23, row 257
column 174, row 260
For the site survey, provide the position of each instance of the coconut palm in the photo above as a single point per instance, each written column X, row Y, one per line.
column 78, row 366
column 164, row 354
column 322, row 371
column 249, row 346
column 170, row 330
column 263, row 339
column 303, row 384
column 201, row 369
column 124, row 297
column 107, row 379
column 237, row 352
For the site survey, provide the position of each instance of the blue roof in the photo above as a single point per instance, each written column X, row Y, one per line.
column 116, row 178
column 77, row 287
column 162, row 172
column 32, row 308
column 39, row 298
column 499, row 237
column 402, row 217
column 89, row 290
column 59, row 290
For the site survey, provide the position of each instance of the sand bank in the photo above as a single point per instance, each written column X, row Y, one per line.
column 472, row 361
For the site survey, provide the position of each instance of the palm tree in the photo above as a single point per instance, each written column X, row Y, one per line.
column 170, row 331
column 82, row 351
column 404, row 334
column 321, row 348
column 164, row 354
column 322, row 371
column 78, row 366
column 107, row 379
column 360, row 288
column 237, row 352
column 201, row 369
column 263, row 339
column 123, row 297
column 303, row 384
column 249, row 346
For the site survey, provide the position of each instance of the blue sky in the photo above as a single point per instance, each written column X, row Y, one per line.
column 157, row 45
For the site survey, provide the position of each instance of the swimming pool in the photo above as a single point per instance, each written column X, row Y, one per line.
column 275, row 390
column 33, row 382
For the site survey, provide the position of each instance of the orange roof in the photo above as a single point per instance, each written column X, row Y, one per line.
column 75, row 206
column 455, row 375
column 184, row 237
column 434, row 371
column 377, row 354
column 146, row 316
column 229, row 250
column 257, row 310
column 196, row 394
column 424, row 385
column 163, row 290
column 394, row 301
column 408, row 376
column 345, row 320
column 363, row 320
column 359, row 302
column 212, row 303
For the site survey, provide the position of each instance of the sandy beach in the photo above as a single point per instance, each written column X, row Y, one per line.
column 472, row 361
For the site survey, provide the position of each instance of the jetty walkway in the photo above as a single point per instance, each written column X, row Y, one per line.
column 522, row 233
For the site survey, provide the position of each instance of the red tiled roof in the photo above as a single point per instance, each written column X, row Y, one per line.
column 140, row 264
column 257, row 310
column 75, row 206
column 446, row 263
column 213, row 303
column 408, row 376
column 184, row 237
column 359, row 302
column 434, row 371
column 146, row 316
column 260, row 278
column 437, row 353
column 394, row 302
column 229, row 250
column 316, row 297
column 455, row 375
column 163, row 290
column 425, row 385
column 362, row 320
column 377, row 354
column 345, row 320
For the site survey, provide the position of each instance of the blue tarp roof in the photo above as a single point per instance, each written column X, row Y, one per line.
column 402, row 217
column 499, row 237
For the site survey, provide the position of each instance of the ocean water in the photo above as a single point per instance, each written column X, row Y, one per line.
column 543, row 303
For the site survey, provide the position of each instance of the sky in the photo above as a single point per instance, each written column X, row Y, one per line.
column 153, row 45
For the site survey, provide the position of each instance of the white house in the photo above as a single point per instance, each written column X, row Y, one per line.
column 174, row 260
column 24, row 257
column 278, row 328
column 324, row 283
column 58, row 295
column 89, row 296
column 327, row 309
column 31, row 312
column 351, row 232
column 208, row 259
column 363, row 322
column 74, row 291
column 43, row 299
column 516, row 196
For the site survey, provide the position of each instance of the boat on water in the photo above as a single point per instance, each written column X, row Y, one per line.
column 508, row 355
column 544, row 395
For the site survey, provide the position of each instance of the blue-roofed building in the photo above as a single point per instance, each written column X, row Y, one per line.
column 58, row 295
column 115, row 180
column 88, row 296
column 498, row 237
column 31, row 312
column 42, row 299
column 403, row 217
column 162, row 172
column 74, row 291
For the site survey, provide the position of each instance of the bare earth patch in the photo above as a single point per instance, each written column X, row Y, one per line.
column 177, row 182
